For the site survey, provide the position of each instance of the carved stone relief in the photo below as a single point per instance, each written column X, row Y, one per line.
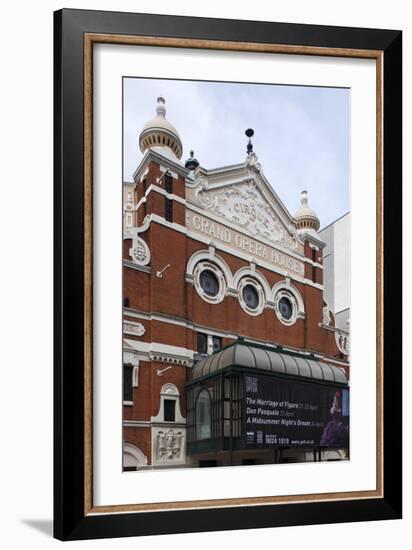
column 137, row 329
column 168, row 446
column 342, row 341
column 244, row 205
column 139, row 252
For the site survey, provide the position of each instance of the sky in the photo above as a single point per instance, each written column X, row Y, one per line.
column 301, row 133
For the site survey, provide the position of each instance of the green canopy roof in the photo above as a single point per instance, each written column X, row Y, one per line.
column 265, row 359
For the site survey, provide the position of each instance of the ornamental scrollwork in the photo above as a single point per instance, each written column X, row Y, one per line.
column 244, row 205
column 140, row 252
column 169, row 445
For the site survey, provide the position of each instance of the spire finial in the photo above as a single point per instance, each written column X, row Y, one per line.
column 306, row 217
column 304, row 198
column 192, row 163
column 161, row 106
column 159, row 134
column 249, row 133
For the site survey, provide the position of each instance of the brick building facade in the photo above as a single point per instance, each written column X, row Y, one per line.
column 212, row 260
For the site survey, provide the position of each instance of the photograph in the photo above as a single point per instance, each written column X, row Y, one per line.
column 227, row 272
column 236, row 274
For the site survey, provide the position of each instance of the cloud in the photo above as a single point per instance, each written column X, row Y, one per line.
column 301, row 133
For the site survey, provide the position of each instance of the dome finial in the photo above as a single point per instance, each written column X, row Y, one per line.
column 160, row 135
column 305, row 217
column 249, row 133
column 192, row 163
column 304, row 198
column 161, row 106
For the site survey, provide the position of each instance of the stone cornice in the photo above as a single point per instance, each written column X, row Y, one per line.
column 154, row 156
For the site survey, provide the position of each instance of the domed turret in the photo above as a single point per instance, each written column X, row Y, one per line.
column 305, row 217
column 159, row 134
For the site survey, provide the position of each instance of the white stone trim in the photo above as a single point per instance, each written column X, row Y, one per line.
column 214, row 332
column 248, row 258
column 161, row 191
column 179, row 322
column 131, row 232
column 246, row 171
column 143, row 175
column 135, row 376
column 165, row 170
column 209, row 256
column 217, row 271
column 190, row 205
column 333, row 454
column 287, row 285
column 256, row 284
column 171, row 225
column 284, row 289
column 133, row 451
column 137, row 267
column 251, row 272
column 342, row 341
column 143, row 200
column 137, row 423
column 150, row 155
column 130, row 358
column 168, row 445
column 169, row 391
column 194, row 235
column 161, row 352
column 133, row 328
column 139, row 252
column 244, row 256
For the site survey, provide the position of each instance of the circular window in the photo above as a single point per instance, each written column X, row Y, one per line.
column 286, row 307
column 251, row 296
column 209, row 282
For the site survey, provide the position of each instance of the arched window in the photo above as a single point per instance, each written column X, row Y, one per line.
column 203, row 417
column 251, row 295
column 169, row 407
column 210, row 282
column 133, row 458
column 289, row 306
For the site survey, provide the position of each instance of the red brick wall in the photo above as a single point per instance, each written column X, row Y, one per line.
column 146, row 397
column 172, row 295
column 141, row 438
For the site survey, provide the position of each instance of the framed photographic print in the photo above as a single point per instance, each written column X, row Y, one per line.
column 227, row 274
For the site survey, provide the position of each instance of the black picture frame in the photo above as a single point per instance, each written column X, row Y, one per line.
column 71, row 522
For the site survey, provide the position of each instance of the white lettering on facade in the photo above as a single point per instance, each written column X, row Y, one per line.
column 212, row 229
column 242, row 242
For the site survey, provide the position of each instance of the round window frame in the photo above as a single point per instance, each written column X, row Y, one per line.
column 246, row 281
column 209, row 266
column 289, row 296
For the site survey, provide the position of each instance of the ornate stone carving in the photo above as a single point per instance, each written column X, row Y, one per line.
column 244, row 205
column 252, row 162
column 326, row 316
column 165, row 358
column 342, row 341
column 203, row 183
column 129, row 202
column 139, row 252
column 135, row 329
column 169, row 389
column 169, row 446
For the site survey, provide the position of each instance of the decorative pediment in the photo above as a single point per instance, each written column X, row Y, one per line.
column 250, row 205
